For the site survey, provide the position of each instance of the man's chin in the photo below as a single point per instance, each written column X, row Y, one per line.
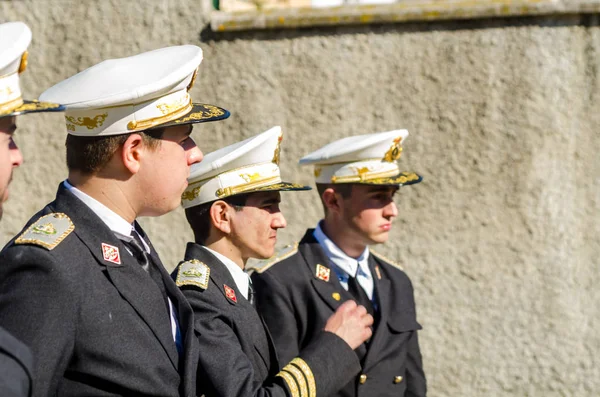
column 380, row 238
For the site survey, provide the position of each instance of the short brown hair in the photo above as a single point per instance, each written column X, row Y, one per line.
column 345, row 189
column 199, row 216
column 89, row 155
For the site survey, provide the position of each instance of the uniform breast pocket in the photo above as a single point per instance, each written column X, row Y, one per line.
column 403, row 322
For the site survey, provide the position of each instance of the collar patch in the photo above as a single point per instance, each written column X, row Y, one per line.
column 110, row 253
column 230, row 293
column 323, row 273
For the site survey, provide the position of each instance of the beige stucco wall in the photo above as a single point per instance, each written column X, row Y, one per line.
column 501, row 239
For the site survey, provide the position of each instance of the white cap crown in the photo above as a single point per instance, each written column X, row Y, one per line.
column 370, row 158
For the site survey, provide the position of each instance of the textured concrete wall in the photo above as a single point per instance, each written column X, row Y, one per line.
column 501, row 239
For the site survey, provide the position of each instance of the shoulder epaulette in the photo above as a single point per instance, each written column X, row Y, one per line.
column 387, row 260
column 282, row 254
column 48, row 231
column 193, row 272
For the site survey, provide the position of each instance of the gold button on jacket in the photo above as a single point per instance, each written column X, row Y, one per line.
column 362, row 379
column 397, row 379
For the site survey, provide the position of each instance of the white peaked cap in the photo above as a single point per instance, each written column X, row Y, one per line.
column 367, row 159
column 125, row 95
column 244, row 167
column 15, row 37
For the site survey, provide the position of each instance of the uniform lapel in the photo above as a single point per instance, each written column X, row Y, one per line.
column 221, row 277
column 274, row 360
column 382, row 291
column 132, row 282
column 329, row 290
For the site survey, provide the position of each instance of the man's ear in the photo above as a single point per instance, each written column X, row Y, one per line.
column 131, row 152
column 220, row 216
column 332, row 200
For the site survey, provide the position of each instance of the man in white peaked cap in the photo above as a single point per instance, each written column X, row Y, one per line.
column 15, row 37
column 82, row 284
column 232, row 205
column 356, row 178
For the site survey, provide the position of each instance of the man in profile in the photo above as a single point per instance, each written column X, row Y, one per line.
column 357, row 178
column 15, row 358
column 82, row 284
column 232, row 205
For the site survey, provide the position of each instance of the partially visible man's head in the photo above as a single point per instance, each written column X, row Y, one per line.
column 14, row 40
column 10, row 156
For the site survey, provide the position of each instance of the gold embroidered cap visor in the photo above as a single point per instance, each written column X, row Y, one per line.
column 200, row 113
column 32, row 106
column 402, row 179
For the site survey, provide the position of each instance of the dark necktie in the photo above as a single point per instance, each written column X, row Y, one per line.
column 251, row 298
column 136, row 246
column 359, row 294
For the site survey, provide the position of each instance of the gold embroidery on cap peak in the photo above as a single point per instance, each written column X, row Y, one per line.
column 9, row 107
column 89, row 122
column 213, row 111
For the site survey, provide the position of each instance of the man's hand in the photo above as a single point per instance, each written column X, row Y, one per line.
column 351, row 323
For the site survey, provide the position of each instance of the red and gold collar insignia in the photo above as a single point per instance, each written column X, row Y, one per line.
column 323, row 273
column 110, row 253
column 230, row 293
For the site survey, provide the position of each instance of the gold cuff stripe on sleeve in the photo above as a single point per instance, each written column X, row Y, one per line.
column 308, row 374
column 300, row 379
column 289, row 380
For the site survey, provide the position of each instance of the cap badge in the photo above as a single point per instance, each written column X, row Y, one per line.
column 110, row 253
column 230, row 293
column 394, row 151
column 23, row 64
column 277, row 150
column 323, row 273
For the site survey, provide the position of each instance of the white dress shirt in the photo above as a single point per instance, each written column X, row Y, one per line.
column 239, row 276
column 120, row 226
column 344, row 265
